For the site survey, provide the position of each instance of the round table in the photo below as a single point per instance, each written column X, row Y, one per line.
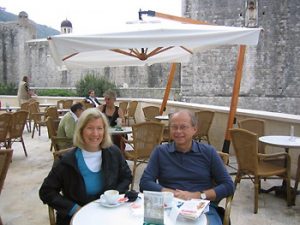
column 123, row 130
column 162, row 117
column 285, row 142
column 96, row 214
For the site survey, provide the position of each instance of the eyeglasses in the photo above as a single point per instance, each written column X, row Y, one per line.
column 179, row 127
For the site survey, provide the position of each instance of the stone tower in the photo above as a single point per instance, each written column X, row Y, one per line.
column 66, row 27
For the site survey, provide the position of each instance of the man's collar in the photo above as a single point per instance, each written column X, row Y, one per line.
column 173, row 147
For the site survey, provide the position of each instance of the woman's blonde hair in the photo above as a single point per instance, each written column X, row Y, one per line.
column 84, row 119
column 110, row 94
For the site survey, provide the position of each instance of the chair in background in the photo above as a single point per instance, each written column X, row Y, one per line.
column 67, row 103
column 60, row 104
column 25, row 107
column 204, row 119
column 253, row 164
column 145, row 136
column 150, row 112
column 131, row 111
column 5, row 122
column 123, row 106
column 52, row 112
column 256, row 126
column 15, row 134
column 37, row 116
column 297, row 179
column 5, row 159
column 56, row 142
column 86, row 104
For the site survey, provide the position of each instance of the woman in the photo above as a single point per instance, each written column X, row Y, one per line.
column 83, row 174
column 24, row 93
column 111, row 111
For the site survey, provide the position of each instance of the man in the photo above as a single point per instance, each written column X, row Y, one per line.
column 67, row 125
column 189, row 169
column 91, row 98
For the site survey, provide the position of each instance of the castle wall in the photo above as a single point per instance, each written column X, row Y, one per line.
column 271, row 75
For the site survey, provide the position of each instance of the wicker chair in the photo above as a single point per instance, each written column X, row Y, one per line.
column 253, row 164
column 15, row 134
column 131, row 111
column 37, row 116
column 67, row 103
column 145, row 136
column 256, row 126
column 56, row 142
column 123, row 106
column 5, row 159
column 5, row 122
column 150, row 112
column 25, row 107
column 52, row 112
column 204, row 119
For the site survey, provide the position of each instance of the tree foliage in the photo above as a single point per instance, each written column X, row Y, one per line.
column 93, row 82
column 8, row 89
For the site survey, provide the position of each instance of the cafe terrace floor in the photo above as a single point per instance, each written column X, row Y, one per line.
column 20, row 203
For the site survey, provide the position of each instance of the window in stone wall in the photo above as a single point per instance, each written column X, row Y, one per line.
column 251, row 18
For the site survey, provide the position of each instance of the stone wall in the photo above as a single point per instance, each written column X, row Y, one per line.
column 271, row 75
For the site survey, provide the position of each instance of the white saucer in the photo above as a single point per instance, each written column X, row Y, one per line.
column 105, row 204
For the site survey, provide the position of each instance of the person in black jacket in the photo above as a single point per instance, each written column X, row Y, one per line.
column 91, row 98
column 84, row 173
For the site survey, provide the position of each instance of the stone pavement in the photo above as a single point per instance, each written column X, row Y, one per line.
column 20, row 203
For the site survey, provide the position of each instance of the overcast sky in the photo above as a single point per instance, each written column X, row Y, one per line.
column 88, row 16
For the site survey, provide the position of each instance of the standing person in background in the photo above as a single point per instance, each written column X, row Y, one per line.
column 91, row 98
column 66, row 127
column 24, row 93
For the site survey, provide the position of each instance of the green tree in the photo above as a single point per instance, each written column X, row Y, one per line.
column 93, row 82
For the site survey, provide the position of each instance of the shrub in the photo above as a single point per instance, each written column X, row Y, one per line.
column 8, row 89
column 92, row 82
column 55, row 92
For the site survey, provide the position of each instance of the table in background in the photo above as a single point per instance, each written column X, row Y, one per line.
column 286, row 142
column 162, row 117
column 124, row 130
column 96, row 214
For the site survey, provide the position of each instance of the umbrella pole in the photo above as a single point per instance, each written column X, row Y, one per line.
column 234, row 97
column 168, row 88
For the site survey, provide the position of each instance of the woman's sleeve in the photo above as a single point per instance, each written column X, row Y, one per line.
column 50, row 191
column 125, row 176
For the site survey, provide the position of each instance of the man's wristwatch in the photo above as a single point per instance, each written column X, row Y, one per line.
column 202, row 195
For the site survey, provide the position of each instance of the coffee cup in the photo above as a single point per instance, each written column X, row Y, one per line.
column 111, row 196
column 168, row 199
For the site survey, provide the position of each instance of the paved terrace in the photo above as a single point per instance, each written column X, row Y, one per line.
column 20, row 204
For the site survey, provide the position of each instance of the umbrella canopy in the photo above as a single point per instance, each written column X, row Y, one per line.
column 144, row 43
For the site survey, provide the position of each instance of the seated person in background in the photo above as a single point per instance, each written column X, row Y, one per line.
column 66, row 127
column 189, row 169
column 91, row 98
column 84, row 173
column 112, row 113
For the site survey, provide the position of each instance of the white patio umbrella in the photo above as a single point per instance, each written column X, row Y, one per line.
column 147, row 43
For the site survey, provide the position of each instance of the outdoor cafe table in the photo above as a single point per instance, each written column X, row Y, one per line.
column 96, row 214
column 286, row 142
column 162, row 117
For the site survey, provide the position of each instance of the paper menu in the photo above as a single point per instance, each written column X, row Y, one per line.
column 194, row 208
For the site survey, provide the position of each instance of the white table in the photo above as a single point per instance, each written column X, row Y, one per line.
column 286, row 142
column 125, row 130
column 281, row 141
column 162, row 117
column 96, row 214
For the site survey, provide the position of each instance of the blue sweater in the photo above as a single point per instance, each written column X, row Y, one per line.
column 192, row 171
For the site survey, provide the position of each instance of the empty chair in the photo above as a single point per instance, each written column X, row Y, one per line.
column 5, row 159
column 204, row 121
column 123, row 105
column 52, row 112
column 5, row 122
column 86, row 104
column 131, row 112
column 37, row 116
column 145, row 137
column 25, row 107
column 67, row 103
column 256, row 126
column 60, row 104
column 150, row 112
column 15, row 134
column 251, row 163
